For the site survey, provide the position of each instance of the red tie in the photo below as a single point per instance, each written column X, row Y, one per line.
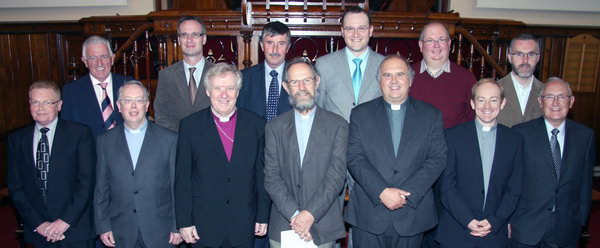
column 107, row 108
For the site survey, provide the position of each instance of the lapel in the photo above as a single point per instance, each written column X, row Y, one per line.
column 370, row 72
column 316, row 131
column 117, row 82
column 121, row 145
column 383, row 126
column 532, row 101
column 240, row 138
column 58, row 143
column 411, row 123
column 346, row 77
column 283, row 95
column 88, row 96
column 201, row 91
column 27, row 149
column 181, row 84
column 294, row 150
column 500, row 147
column 146, row 150
column 512, row 101
column 569, row 147
column 262, row 93
column 543, row 141
column 212, row 136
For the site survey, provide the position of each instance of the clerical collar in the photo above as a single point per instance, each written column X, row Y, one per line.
column 485, row 128
column 310, row 114
column 395, row 107
column 223, row 118
column 139, row 129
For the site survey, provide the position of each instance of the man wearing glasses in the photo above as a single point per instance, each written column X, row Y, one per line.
column 305, row 164
column 180, row 90
column 558, row 158
column 440, row 82
column 520, row 86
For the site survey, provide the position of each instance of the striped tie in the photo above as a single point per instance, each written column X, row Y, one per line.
column 107, row 109
column 556, row 156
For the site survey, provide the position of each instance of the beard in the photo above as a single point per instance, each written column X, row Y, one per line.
column 526, row 73
column 303, row 105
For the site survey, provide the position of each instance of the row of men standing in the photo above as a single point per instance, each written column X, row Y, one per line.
column 395, row 162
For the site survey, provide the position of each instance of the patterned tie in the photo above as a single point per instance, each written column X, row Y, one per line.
column 356, row 79
column 273, row 96
column 556, row 156
column 42, row 161
column 107, row 109
column 192, row 84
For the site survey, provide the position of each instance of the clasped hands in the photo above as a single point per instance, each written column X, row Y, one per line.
column 53, row 231
column 479, row 228
column 393, row 198
column 302, row 223
column 108, row 239
column 190, row 235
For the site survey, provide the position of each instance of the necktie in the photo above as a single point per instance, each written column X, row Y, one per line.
column 107, row 109
column 192, row 84
column 356, row 79
column 556, row 156
column 273, row 98
column 42, row 161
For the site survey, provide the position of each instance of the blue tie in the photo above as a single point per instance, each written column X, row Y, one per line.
column 556, row 156
column 356, row 79
column 273, row 98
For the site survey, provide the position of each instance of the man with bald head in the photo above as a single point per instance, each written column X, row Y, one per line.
column 559, row 157
column 440, row 82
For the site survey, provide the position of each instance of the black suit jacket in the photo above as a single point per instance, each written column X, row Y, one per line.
column 571, row 195
column 70, row 181
column 80, row 103
column 220, row 198
column 371, row 161
column 462, row 187
column 253, row 94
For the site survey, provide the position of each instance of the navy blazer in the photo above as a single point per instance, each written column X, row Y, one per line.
column 80, row 103
column 253, row 94
column 462, row 188
column 71, row 181
column 571, row 196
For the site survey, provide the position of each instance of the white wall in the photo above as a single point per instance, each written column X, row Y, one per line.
column 134, row 7
column 467, row 9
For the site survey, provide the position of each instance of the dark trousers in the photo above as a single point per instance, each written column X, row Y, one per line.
column 388, row 239
column 548, row 240
column 81, row 244
column 261, row 242
column 226, row 244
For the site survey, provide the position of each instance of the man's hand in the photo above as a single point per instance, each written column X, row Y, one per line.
column 174, row 238
column 393, row 198
column 108, row 239
column 55, row 231
column 41, row 229
column 302, row 223
column 479, row 228
column 189, row 234
column 260, row 229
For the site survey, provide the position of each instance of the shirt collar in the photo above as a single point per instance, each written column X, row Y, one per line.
column 279, row 69
column 483, row 128
column 198, row 65
column 95, row 81
column 445, row 68
column 142, row 128
column 561, row 127
column 51, row 126
column 518, row 85
column 363, row 56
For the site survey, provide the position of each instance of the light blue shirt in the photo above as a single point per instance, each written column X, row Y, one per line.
column 135, row 139
column 363, row 64
column 268, row 78
column 560, row 136
column 303, row 126
column 197, row 73
column 487, row 145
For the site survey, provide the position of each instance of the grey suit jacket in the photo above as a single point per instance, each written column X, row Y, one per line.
column 173, row 101
column 314, row 186
column 420, row 161
column 126, row 200
column 335, row 91
column 511, row 114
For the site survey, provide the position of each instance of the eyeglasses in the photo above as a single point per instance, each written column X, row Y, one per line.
column 432, row 41
column 551, row 98
column 35, row 103
column 307, row 81
column 129, row 101
column 193, row 35
column 522, row 54
column 102, row 57
column 361, row 29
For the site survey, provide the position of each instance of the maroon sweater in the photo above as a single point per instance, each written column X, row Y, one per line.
column 450, row 92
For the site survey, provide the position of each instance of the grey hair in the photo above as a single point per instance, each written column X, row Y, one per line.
column 551, row 79
column 45, row 84
column 220, row 69
column 95, row 39
column 134, row 82
column 300, row 60
column 411, row 72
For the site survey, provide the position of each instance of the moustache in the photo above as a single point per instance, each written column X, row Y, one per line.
column 524, row 65
column 274, row 55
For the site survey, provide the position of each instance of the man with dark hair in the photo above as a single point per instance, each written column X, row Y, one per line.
column 482, row 182
column 180, row 90
column 90, row 100
column 51, row 174
column 521, row 87
column 440, row 82
column 262, row 92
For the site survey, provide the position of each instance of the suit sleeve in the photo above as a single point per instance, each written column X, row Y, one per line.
column 320, row 203
column 512, row 192
column 278, row 190
column 585, row 195
column 321, row 90
column 162, row 112
column 264, row 202
column 172, row 162
column 361, row 169
column 452, row 200
column 68, row 108
column 102, row 191
column 86, row 178
column 27, row 211
column 422, row 180
column 183, row 180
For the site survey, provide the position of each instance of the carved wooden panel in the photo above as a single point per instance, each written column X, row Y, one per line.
column 582, row 61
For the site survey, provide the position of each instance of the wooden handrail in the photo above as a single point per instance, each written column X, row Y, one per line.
column 136, row 34
column 499, row 70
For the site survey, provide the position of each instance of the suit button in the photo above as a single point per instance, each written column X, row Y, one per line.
column 395, row 172
column 134, row 211
column 133, row 174
column 353, row 104
column 135, row 193
column 298, row 185
column 229, row 179
column 227, row 202
column 556, row 191
column 483, row 192
column 550, row 209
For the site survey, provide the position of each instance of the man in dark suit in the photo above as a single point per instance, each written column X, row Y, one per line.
column 136, row 165
column 305, row 163
column 220, row 200
column 482, row 182
column 51, row 174
column 559, row 157
column 521, row 87
column 396, row 152
column 261, row 92
column 90, row 99
column 176, row 97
